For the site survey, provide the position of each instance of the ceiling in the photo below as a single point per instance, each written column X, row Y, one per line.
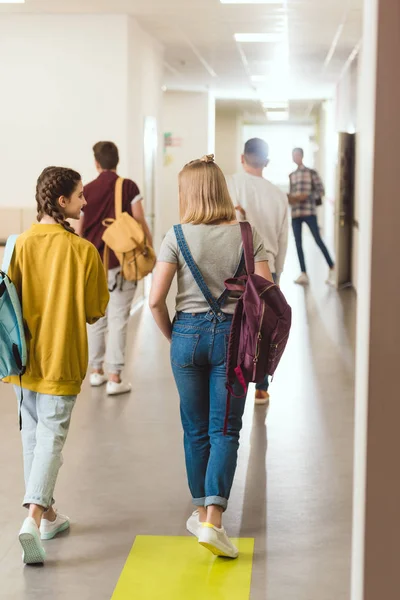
column 251, row 111
column 317, row 39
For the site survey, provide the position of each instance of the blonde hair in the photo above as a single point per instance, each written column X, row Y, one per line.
column 203, row 193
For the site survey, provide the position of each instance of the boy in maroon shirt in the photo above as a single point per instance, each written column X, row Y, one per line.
column 100, row 198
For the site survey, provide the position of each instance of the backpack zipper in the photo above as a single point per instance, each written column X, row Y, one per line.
column 259, row 338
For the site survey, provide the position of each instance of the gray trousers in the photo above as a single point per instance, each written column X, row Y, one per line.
column 45, row 426
column 107, row 337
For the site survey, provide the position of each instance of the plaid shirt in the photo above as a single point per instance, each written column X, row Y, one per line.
column 306, row 181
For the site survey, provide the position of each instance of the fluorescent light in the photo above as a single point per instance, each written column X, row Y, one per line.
column 274, row 104
column 12, row 1
column 278, row 115
column 251, row 1
column 258, row 78
column 259, row 37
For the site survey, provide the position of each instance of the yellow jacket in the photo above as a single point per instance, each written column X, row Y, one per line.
column 62, row 286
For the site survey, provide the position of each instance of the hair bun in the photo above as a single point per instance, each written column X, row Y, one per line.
column 208, row 158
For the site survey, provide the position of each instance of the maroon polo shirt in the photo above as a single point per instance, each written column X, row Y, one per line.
column 100, row 198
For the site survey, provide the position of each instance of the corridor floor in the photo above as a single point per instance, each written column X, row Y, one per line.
column 124, row 470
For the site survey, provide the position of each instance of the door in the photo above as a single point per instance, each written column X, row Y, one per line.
column 344, row 209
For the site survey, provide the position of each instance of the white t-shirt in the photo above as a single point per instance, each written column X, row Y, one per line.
column 267, row 210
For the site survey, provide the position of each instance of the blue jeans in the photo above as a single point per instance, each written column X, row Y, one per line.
column 264, row 386
column 312, row 222
column 45, row 426
column 198, row 358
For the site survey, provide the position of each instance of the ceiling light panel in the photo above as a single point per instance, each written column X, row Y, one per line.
column 251, row 2
column 12, row 1
column 278, row 115
column 245, row 38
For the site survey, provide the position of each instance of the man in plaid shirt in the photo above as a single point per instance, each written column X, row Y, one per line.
column 306, row 192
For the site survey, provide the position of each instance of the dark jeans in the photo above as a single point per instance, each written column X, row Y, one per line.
column 265, row 384
column 198, row 357
column 313, row 225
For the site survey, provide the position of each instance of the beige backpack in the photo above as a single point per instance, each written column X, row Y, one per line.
column 126, row 238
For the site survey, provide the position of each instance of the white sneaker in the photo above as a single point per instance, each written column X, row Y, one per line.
column 332, row 277
column 98, row 379
column 303, row 279
column 49, row 529
column 29, row 538
column 217, row 541
column 113, row 388
column 193, row 524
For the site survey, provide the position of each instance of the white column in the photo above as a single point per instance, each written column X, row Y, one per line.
column 376, row 540
column 228, row 140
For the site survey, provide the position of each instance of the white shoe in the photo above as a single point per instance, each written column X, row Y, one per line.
column 193, row 524
column 113, row 388
column 49, row 529
column 29, row 538
column 217, row 541
column 98, row 379
column 332, row 277
column 303, row 279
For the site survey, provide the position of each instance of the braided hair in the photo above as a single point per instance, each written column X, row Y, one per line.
column 53, row 183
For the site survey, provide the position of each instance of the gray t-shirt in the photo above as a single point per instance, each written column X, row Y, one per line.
column 216, row 250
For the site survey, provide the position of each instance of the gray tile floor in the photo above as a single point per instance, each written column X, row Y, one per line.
column 124, row 471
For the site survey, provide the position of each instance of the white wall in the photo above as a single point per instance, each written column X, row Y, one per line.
column 228, row 140
column 328, row 158
column 346, row 100
column 145, row 75
column 62, row 90
column 189, row 117
column 69, row 81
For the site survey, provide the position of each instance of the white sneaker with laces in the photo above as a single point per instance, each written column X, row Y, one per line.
column 193, row 524
column 29, row 538
column 332, row 277
column 114, row 388
column 98, row 379
column 217, row 541
column 49, row 529
column 303, row 279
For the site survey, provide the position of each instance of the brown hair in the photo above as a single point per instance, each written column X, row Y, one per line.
column 106, row 154
column 53, row 183
column 203, row 193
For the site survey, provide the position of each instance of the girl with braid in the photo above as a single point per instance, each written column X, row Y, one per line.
column 61, row 284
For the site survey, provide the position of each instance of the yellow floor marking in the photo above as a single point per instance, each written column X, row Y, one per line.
column 178, row 568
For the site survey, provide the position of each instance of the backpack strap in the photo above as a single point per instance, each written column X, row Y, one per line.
column 8, row 252
column 107, row 222
column 248, row 246
column 118, row 197
column 239, row 271
column 215, row 309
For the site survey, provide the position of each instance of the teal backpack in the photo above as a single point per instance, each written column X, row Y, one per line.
column 13, row 353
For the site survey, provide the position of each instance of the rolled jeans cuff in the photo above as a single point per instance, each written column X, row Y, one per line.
column 198, row 501
column 216, row 501
column 39, row 501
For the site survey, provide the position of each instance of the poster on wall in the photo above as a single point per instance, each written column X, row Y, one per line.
column 170, row 142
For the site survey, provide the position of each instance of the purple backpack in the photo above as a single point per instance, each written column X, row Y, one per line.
column 260, row 326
